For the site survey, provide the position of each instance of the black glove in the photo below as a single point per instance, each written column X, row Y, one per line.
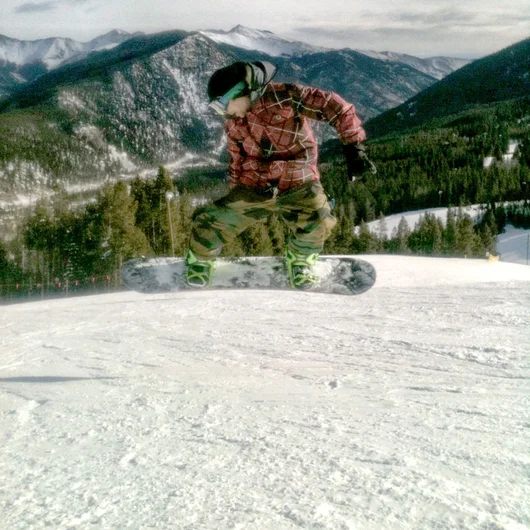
column 357, row 161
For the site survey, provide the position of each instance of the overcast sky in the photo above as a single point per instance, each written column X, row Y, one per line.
column 463, row 28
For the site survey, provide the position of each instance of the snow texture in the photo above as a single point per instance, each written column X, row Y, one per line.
column 404, row 408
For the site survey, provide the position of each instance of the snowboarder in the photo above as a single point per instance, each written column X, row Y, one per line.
column 273, row 167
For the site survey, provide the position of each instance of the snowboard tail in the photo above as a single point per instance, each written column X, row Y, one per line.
column 338, row 275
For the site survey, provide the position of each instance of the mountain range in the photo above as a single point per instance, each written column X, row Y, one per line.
column 267, row 42
column 23, row 61
column 502, row 76
column 142, row 103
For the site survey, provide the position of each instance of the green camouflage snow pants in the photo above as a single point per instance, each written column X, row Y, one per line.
column 304, row 209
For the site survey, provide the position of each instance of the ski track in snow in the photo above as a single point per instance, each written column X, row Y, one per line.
column 403, row 408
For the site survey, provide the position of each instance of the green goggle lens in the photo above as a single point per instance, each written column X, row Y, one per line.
column 220, row 104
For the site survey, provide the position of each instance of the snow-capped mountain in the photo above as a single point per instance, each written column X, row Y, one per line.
column 109, row 40
column 145, row 103
column 263, row 41
column 437, row 67
column 51, row 52
column 23, row 61
column 54, row 52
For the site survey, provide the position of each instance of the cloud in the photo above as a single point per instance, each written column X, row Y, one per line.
column 436, row 24
column 452, row 20
column 437, row 18
column 466, row 36
column 41, row 7
column 34, row 7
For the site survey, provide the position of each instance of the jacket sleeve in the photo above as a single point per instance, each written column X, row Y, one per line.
column 331, row 108
column 236, row 158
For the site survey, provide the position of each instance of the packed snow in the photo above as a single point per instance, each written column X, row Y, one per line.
column 403, row 408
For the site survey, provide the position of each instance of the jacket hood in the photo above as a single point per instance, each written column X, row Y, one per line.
column 259, row 75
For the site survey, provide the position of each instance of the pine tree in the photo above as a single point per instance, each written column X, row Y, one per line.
column 403, row 234
column 466, row 239
column 449, row 234
column 426, row 239
column 235, row 248
column 366, row 242
column 382, row 230
column 488, row 232
column 10, row 273
column 160, row 232
column 341, row 239
column 183, row 212
column 152, row 216
column 40, row 235
column 123, row 239
column 141, row 193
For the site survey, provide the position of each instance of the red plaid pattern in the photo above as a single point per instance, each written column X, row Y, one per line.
column 275, row 145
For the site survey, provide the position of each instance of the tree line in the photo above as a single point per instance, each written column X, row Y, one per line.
column 442, row 166
column 64, row 249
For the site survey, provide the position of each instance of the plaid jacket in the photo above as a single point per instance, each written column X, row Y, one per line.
column 274, row 144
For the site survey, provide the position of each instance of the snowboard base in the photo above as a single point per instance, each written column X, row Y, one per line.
column 338, row 275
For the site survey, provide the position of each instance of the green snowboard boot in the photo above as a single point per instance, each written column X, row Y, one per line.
column 302, row 273
column 199, row 273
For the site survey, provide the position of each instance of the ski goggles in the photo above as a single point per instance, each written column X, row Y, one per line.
column 220, row 104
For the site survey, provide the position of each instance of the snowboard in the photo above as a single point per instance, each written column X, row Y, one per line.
column 338, row 275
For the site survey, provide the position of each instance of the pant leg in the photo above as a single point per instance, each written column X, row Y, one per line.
column 307, row 213
column 218, row 224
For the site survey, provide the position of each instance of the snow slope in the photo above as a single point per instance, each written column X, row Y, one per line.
column 512, row 244
column 412, row 217
column 404, row 408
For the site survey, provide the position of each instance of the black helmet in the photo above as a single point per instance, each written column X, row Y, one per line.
column 255, row 75
column 226, row 78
